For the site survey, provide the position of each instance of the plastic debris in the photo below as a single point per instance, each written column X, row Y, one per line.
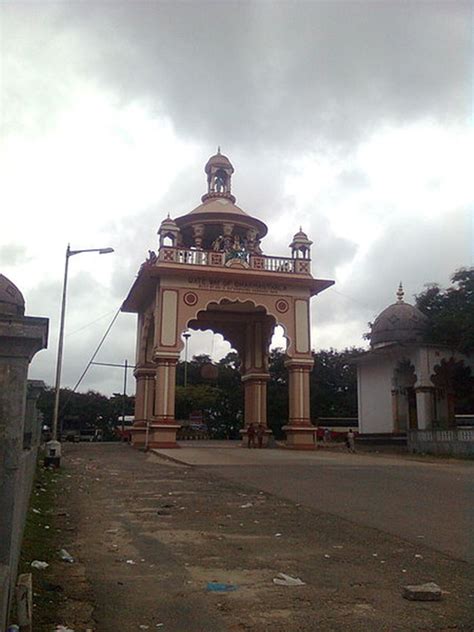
column 63, row 628
column 130, row 562
column 144, row 627
column 36, row 511
column 39, row 565
column 218, row 587
column 246, row 505
column 418, row 556
column 66, row 556
column 13, row 628
column 286, row 580
column 278, row 535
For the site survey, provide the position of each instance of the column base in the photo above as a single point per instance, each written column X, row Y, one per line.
column 138, row 434
column 300, row 437
column 163, row 435
column 244, row 438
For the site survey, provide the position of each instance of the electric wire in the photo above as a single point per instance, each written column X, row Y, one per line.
column 63, row 407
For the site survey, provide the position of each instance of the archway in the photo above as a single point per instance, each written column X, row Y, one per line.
column 215, row 275
column 209, row 392
column 453, row 381
column 249, row 328
column 404, row 397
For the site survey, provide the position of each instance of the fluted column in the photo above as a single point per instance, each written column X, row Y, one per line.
column 165, row 389
column 255, row 393
column 299, row 431
column 144, row 403
column 161, row 426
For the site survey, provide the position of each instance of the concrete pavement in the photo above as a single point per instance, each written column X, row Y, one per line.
column 425, row 501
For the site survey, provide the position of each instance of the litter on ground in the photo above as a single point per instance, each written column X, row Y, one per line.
column 218, row 587
column 39, row 565
column 286, row 580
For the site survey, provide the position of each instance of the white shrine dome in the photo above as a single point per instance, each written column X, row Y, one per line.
column 399, row 322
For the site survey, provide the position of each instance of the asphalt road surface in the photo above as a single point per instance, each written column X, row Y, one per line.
column 424, row 500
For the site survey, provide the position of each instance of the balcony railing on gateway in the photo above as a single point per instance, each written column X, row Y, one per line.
column 264, row 263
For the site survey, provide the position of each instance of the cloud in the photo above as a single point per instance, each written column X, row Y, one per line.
column 347, row 118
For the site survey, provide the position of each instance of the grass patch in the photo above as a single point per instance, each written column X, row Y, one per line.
column 42, row 541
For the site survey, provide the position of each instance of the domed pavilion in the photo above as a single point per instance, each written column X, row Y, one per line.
column 211, row 271
column 405, row 382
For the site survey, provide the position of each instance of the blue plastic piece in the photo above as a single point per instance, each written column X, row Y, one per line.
column 217, row 587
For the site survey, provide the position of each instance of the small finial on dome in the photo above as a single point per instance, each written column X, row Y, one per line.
column 400, row 293
column 219, row 149
column 301, row 229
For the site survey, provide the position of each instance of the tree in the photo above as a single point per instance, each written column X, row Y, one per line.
column 220, row 399
column 277, row 401
column 334, row 383
column 85, row 411
column 451, row 312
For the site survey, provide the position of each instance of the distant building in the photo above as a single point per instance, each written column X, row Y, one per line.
column 405, row 383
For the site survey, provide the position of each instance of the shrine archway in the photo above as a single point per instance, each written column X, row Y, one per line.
column 211, row 273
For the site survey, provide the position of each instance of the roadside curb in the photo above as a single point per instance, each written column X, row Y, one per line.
column 172, row 459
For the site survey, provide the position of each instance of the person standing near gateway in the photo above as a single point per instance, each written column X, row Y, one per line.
column 351, row 441
column 260, row 435
column 251, row 435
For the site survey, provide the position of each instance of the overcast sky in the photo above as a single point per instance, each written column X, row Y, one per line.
column 351, row 119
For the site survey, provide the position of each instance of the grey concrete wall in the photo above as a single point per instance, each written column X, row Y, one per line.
column 21, row 337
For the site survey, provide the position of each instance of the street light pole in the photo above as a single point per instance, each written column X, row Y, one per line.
column 186, row 337
column 69, row 253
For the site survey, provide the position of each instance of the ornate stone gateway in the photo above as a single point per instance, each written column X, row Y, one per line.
column 210, row 273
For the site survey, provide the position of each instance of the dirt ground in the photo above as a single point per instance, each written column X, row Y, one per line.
column 148, row 536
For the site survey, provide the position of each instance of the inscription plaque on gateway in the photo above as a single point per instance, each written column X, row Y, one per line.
column 238, row 286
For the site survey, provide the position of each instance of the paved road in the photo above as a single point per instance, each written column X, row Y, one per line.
column 148, row 536
column 428, row 501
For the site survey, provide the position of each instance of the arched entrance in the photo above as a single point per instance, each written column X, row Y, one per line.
column 215, row 276
column 453, row 381
column 404, row 397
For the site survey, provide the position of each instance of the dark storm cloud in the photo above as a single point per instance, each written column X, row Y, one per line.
column 263, row 73
column 271, row 82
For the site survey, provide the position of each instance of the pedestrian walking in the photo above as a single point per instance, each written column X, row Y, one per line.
column 260, row 435
column 350, row 441
column 251, row 435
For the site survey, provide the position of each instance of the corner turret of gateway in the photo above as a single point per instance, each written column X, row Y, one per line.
column 211, row 271
column 219, row 237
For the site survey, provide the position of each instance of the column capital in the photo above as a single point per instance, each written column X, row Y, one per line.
column 160, row 357
column 142, row 371
column 255, row 376
column 424, row 389
column 300, row 363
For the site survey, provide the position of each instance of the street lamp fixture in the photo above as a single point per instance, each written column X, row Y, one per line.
column 186, row 337
column 69, row 253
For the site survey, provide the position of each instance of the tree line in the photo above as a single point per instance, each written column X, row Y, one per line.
column 218, row 394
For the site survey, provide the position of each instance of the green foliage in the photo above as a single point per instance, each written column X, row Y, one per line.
column 334, row 383
column 88, row 410
column 277, row 402
column 451, row 311
column 220, row 400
